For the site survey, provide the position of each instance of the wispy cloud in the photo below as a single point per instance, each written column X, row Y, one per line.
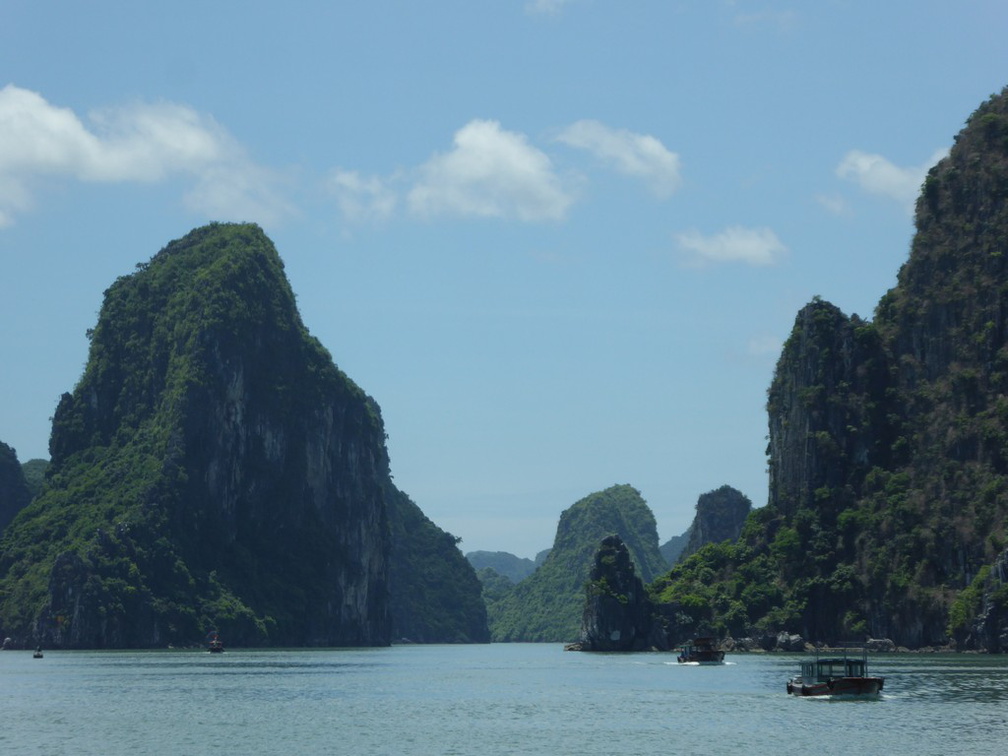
column 140, row 143
column 832, row 203
column 638, row 155
column 490, row 172
column 752, row 246
column 877, row 175
column 363, row 199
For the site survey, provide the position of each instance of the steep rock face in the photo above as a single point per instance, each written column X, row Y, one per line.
column 950, row 305
column 14, row 493
column 946, row 324
column 889, row 440
column 827, row 426
column 618, row 616
column 720, row 515
column 547, row 605
column 888, row 444
column 212, row 469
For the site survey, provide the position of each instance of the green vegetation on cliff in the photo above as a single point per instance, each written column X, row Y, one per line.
column 888, row 440
column 547, row 605
column 435, row 594
column 214, row 469
column 34, row 473
column 187, row 490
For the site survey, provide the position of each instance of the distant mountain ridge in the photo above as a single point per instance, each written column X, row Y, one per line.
column 503, row 563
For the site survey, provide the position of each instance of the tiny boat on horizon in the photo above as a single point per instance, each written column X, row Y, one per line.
column 837, row 676
column 701, row 651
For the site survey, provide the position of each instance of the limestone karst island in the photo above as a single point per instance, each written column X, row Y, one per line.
column 213, row 470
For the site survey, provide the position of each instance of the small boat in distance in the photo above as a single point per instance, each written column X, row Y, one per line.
column 38, row 653
column 701, row 651
column 216, row 644
column 837, row 676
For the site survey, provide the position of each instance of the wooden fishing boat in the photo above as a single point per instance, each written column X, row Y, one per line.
column 701, row 651
column 216, row 644
column 837, row 675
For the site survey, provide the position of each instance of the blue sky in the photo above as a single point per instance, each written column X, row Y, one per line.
column 559, row 241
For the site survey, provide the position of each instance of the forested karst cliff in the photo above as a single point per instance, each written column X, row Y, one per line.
column 434, row 592
column 548, row 604
column 720, row 515
column 212, row 469
column 888, row 440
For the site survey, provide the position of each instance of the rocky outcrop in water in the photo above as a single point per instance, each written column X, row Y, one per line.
column 618, row 616
column 547, row 605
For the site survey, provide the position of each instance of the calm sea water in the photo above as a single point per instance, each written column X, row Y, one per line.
column 492, row 699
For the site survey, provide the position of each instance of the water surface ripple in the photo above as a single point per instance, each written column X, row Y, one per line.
column 488, row 699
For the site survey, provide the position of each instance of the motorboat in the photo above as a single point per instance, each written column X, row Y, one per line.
column 701, row 651
column 836, row 675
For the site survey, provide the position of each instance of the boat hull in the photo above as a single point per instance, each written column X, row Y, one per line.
column 854, row 687
column 712, row 658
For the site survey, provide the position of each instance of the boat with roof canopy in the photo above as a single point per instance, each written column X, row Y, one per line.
column 836, row 675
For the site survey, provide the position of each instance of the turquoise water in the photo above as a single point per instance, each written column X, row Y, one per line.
column 491, row 699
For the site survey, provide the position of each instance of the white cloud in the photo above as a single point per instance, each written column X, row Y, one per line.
column 753, row 246
column 239, row 191
column 139, row 143
column 490, row 172
column 638, row 155
column 877, row 175
column 363, row 199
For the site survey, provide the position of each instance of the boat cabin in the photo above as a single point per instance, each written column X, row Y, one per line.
column 821, row 670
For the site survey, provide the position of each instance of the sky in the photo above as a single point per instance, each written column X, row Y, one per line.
column 560, row 242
